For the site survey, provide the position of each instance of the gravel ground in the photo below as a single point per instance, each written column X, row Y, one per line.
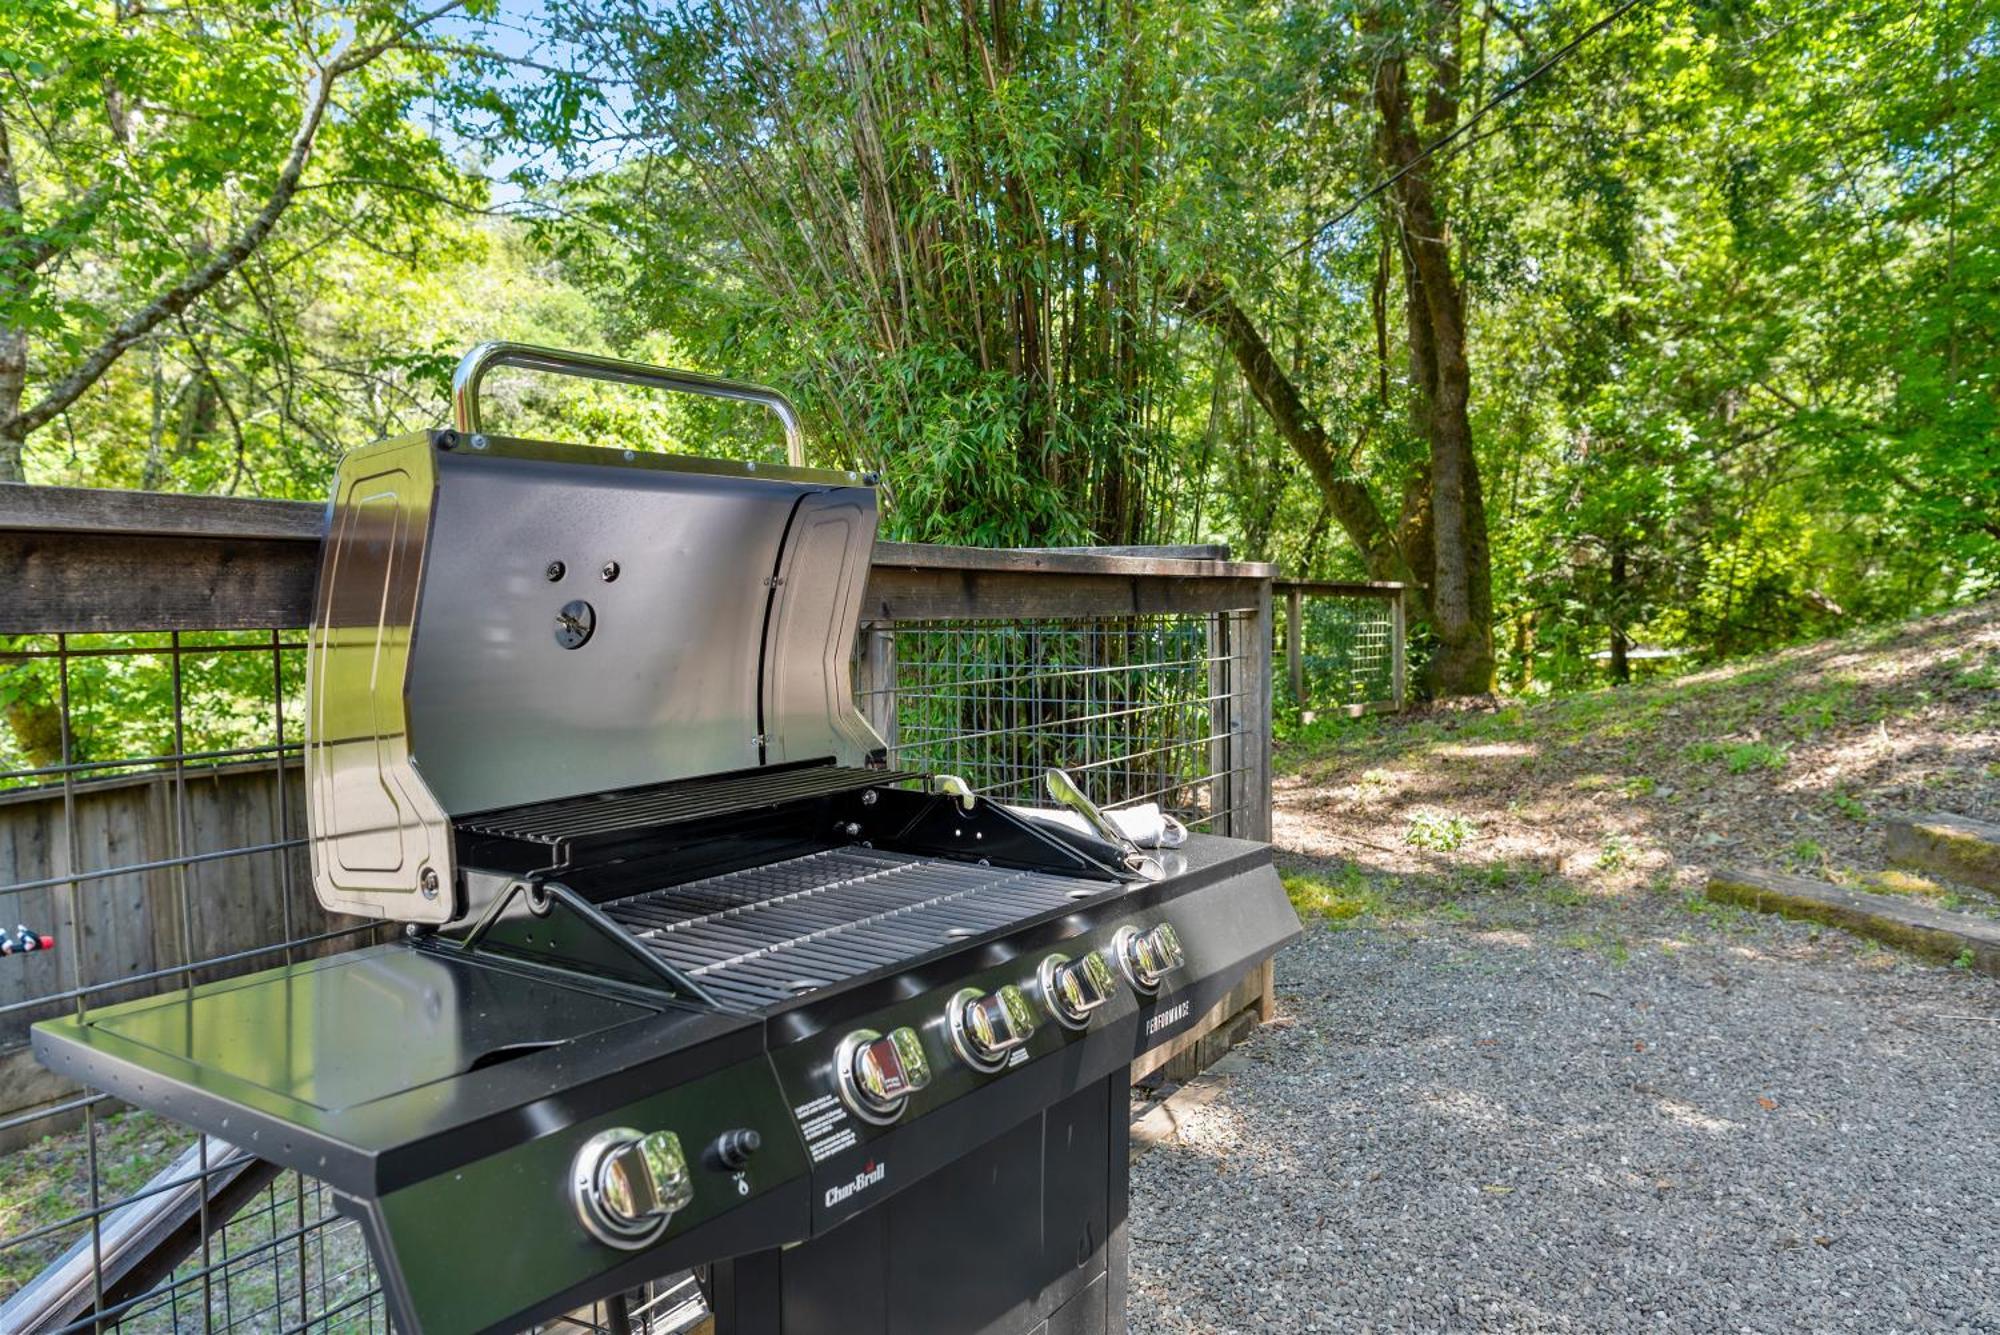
column 1734, row 1125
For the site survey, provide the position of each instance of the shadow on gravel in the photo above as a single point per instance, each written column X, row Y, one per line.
column 1508, row 1105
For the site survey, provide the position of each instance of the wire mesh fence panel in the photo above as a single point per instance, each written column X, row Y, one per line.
column 1136, row 708
column 152, row 824
column 283, row 1261
column 1341, row 651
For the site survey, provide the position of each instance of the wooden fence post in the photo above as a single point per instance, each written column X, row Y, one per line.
column 1221, row 727
column 875, row 673
column 1295, row 644
column 1398, row 649
column 1253, row 730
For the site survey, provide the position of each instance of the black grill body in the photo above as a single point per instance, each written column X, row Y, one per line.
column 1024, row 1233
column 656, row 897
column 446, row 1082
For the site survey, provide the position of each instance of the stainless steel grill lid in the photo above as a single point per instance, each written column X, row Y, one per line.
column 500, row 622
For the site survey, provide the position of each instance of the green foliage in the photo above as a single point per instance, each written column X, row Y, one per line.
column 1982, row 676
column 944, row 231
column 177, row 187
column 1561, row 894
column 1343, row 899
column 1739, row 757
column 52, row 1182
column 1740, row 310
column 122, row 692
column 1439, row 831
column 1732, row 271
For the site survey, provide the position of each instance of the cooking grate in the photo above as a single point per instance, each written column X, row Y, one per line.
column 764, row 935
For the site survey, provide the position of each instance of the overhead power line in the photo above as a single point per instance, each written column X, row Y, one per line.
column 1466, row 126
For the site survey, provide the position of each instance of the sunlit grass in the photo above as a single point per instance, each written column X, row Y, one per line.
column 49, row 1181
column 1341, row 899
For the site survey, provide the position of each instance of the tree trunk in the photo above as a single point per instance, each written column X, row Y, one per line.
column 1461, row 595
column 14, row 284
column 1621, row 661
column 1352, row 506
column 13, row 380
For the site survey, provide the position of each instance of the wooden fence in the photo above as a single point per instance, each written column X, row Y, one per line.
column 190, row 867
column 1346, row 646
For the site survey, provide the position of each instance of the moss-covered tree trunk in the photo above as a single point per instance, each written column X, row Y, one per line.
column 1461, row 583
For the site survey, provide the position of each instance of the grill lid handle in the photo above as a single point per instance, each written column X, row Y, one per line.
column 472, row 369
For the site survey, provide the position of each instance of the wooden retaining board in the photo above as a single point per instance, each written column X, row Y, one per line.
column 1935, row 933
column 1955, row 847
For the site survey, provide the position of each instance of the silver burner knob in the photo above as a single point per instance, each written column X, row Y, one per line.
column 986, row 1026
column 1072, row 989
column 628, row 1184
column 1147, row 957
column 875, row 1076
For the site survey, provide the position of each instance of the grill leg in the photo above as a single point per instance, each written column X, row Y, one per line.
column 1118, row 1199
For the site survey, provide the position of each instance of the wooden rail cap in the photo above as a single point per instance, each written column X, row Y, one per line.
column 1367, row 588
column 88, row 560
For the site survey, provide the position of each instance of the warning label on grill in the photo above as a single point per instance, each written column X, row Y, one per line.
column 823, row 1123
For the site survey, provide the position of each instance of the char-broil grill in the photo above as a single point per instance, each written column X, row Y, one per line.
column 690, row 978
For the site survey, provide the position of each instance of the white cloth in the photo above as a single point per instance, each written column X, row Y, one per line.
column 1145, row 825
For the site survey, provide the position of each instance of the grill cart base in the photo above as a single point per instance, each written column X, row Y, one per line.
column 1025, row 1235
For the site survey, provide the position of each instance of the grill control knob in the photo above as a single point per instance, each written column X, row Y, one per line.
column 1072, row 989
column 877, row 1075
column 986, row 1026
column 627, row 1185
column 734, row 1148
column 1148, row 957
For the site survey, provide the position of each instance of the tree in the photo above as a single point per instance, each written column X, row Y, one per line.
column 941, row 227
column 1725, row 275
column 1439, row 540
column 1460, row 583
column 148, row 154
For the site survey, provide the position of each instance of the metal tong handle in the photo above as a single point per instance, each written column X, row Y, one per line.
column 951, row 785
column 472, row 369
column 1065, row 790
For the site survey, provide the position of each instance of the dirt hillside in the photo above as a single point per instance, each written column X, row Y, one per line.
column 1789, row 763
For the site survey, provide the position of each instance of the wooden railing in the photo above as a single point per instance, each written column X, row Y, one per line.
column 1148, row 669
column 1355, row 662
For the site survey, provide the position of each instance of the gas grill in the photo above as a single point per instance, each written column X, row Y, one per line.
column 689, row 976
